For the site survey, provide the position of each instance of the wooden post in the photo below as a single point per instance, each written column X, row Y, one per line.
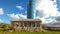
column 20, row 26
column 27, row 25
column 40, row 26
column 23, row 25
column 31, row 27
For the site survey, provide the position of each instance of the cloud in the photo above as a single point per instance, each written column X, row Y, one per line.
column 47, row 8
column 17, row 16
column 20, row 7
column 49, row 20
column 1, row 11
column 37, row 17
column 22, row 16
column 57, row 18
column 44, row 20
column 13, row 16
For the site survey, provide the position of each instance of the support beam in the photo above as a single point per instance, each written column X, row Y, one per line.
column 40, row 26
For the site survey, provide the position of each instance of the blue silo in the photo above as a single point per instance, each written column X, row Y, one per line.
column 31, row 12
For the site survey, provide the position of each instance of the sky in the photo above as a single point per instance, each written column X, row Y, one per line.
column 46, row 10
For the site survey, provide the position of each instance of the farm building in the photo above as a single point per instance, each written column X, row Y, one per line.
column 26, row 24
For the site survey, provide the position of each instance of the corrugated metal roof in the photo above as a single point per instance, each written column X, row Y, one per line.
column 26, row 20
column 55, row 24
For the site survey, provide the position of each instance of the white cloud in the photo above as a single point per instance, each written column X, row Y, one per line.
column 49, row 20
column 17, row 16
column 14, row 16
column 1, row 11
column 22, row 16
column 45, row 21
column 58, row 15
column 20, row 7
column 54, row 0
column 37, row 17
column 57, row 18
column 47, row 8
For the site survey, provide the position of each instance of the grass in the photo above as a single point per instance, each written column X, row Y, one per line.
column 53, row 32
column 48, row 32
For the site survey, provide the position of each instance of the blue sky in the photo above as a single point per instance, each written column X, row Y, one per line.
column 14, row 8
column 9, row 7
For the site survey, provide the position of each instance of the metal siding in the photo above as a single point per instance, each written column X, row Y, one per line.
column 31, row 9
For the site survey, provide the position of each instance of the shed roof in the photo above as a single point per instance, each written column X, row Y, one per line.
column 26, row 20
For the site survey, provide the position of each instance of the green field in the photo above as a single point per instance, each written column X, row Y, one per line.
column 48, row 32
column 36, row 33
